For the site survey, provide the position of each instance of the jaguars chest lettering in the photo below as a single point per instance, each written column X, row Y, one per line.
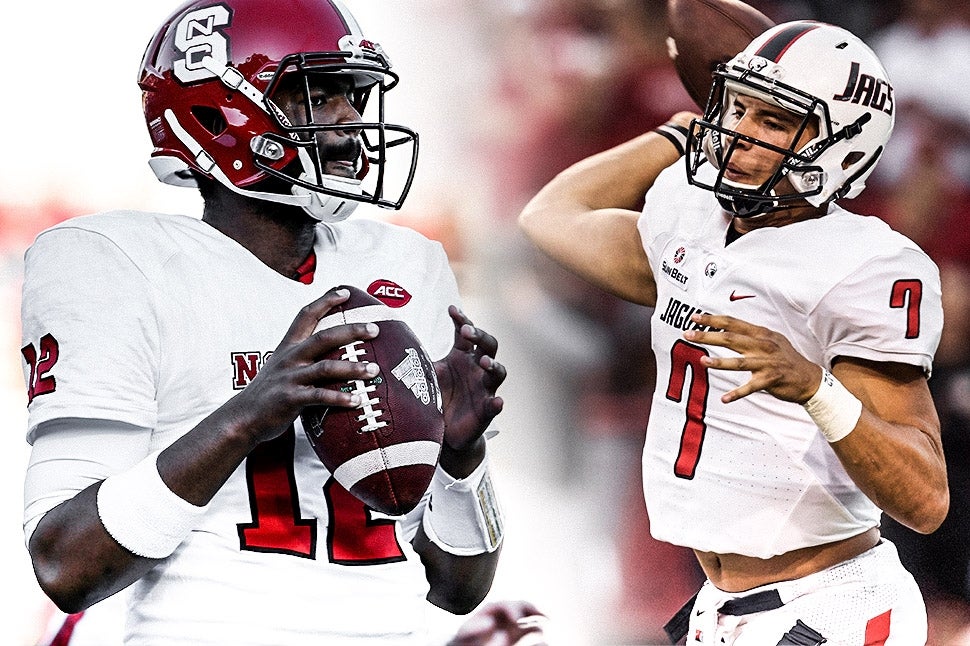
column 677, row 314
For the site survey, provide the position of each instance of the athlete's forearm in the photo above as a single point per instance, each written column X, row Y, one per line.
column 76, row 559
column 458, row 583
column 586, row 217
column 894, row 453
column 900, row 467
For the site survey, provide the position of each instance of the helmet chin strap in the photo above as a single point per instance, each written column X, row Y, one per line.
column 744, row 206
column 319, row 206
column 323, row 206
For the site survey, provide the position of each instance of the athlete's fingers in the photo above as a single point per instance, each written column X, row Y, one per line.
column 326, row 340
column 731, row 340
column 485, row 343
column 463, row 340
column 330, row 397
column 307, row 318
column 339, row 371
column 740, row 392
column 728, row 323
column 730, row 363
column 309, row 384
column 495, row 373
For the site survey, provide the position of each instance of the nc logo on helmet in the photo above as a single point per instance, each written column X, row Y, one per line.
column 197, row 38
column 867, row 91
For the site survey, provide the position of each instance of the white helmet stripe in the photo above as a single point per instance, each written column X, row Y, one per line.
column 348, row 18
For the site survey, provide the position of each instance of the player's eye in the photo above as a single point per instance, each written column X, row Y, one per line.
column 324, row 90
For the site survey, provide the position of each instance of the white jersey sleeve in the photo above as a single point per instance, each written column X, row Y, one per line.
column 90, row 343
column 888, row 309
column 68, row 455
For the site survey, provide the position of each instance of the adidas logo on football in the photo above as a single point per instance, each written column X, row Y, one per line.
column 411, row 374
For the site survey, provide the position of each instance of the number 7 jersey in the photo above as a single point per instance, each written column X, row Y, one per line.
column 755, row 476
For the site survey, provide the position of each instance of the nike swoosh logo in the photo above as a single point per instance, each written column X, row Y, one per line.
column 738, row 297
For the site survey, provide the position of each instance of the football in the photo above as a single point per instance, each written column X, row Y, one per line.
column 705, row 33
column 384, row 451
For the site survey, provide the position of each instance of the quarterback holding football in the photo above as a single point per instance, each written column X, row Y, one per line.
column 182, row 384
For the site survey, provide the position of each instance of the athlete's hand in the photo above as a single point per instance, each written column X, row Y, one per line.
column 775, row 366
column 294, row 376
column 503, row 623
column 468, row 376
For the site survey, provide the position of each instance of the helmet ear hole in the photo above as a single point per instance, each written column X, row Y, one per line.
column 852, row 158
column 210, row 118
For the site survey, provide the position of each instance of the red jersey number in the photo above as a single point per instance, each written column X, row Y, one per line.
column 908, row 294
column 683, row 355
column 354, row 537
column 41, row 360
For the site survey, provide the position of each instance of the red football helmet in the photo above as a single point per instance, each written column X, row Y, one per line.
column 208, row 79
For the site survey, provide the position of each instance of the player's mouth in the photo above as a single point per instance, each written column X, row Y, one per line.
column 341, row 168
column 341, row 157
column 735, row 174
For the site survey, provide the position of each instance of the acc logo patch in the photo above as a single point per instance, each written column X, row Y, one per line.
column 389, row 293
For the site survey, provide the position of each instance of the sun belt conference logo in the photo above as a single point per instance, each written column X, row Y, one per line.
column 679, row 255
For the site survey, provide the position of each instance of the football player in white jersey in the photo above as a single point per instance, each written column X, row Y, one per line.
column 793, row 342
column 168, row 357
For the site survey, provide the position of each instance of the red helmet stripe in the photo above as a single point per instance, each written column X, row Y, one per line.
column 778, row 44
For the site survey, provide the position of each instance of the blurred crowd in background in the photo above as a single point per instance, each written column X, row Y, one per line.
column 535, row 85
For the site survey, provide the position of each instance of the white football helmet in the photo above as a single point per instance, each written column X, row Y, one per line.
column 820, row 72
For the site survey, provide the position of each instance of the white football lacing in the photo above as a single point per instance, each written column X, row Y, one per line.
column 353, row 352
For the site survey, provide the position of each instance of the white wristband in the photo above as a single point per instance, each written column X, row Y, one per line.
column 834, row 409
column 141, row 512
column 463, row 516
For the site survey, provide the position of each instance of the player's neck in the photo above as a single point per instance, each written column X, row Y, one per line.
column 777, row 218
column 281, row 237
